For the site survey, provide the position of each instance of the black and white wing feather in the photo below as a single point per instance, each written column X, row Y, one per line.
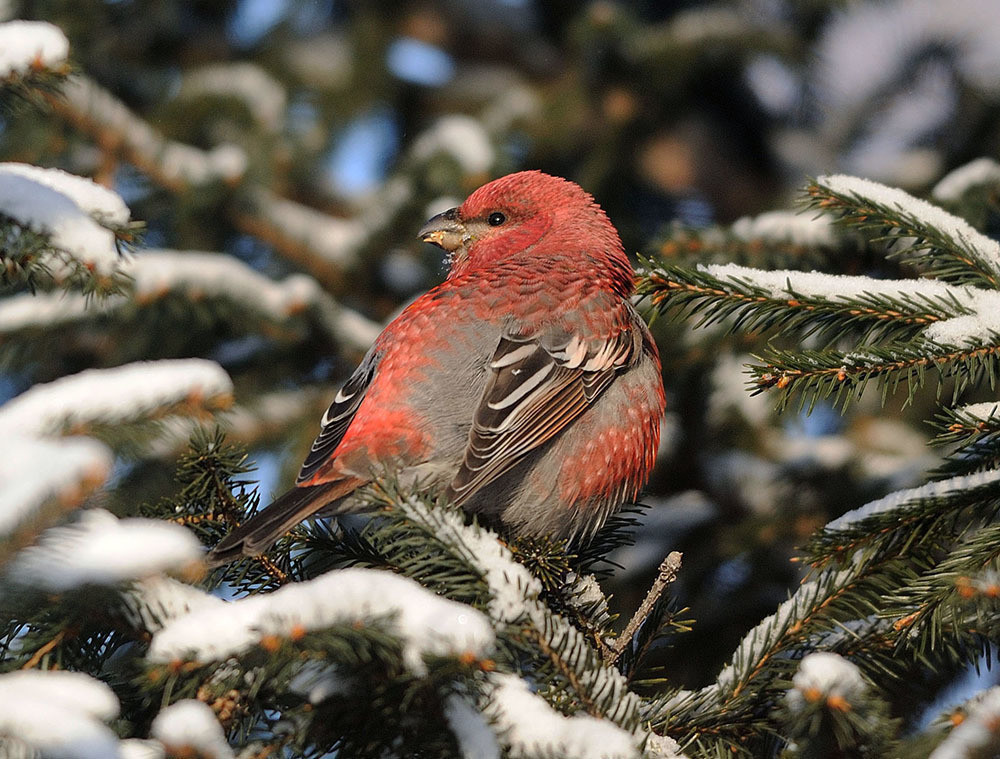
column 338, row 417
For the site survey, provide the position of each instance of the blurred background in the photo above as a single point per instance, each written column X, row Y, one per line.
column 310, row 140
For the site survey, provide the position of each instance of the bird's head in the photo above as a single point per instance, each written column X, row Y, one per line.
column 529, row 212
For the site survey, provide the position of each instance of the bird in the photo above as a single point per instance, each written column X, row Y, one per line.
column 525, row 388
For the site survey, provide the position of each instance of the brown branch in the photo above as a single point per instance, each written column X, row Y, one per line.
column 41, row 652
column 112, row 143
column 667, row 573
column 272, row 568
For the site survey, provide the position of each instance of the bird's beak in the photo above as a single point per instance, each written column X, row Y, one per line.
column 445, row 231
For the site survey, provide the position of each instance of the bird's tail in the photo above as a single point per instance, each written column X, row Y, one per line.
column 256, row 535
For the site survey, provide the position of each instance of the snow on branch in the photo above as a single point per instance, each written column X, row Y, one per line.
column 325, row 245
column 29, row 46
column 37, row 473
column 104, row 205
column 58, row 714
column 108, row 396
column 768, row 239
column 190, row 728
column 153, row 601
column 302, row 232
column 39, row 478
column 786, row 226
column 472, row 732
column 100, row 549
column 773, row 632
column 530, row 727
column 968, row 424
column 972, row 329
column 463, row 138
column 890, row 79
column 786, row 299
column 172, row 164
column 826, row 677
column 842, row 377
column 977, row 733
column 929, row 492
column 515, row 598
column 77, row 217
column 514, row 591
column 693, row 28
column 426, row 623
column 212, row 275
column 515, row 103
column 949, row 311
column 891, row 36
column 266, row 417
column 982, row 172
column 264, row 97
column 983, row 412
column 45, row 310
column 921, row 227
column 197, row 277
column 786, row 283
column 139, row 748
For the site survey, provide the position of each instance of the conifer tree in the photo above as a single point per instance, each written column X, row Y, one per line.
column 418, row 632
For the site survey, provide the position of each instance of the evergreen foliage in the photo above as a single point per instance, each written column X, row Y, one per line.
column 899, row 585
column 416, row 631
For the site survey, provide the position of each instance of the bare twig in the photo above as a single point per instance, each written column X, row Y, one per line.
column 41, row 652
column 666, row 575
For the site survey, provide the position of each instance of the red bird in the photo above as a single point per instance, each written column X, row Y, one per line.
column 525, row 386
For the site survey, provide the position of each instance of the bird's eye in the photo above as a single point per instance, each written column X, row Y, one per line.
column 496, row 219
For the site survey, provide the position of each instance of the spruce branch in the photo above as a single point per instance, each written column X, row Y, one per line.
column 967, row 425
column 907, row 518
column 939, row 243
column 968, row 730
column 76, row 468
column 786, row 302
column 507, row 591
column 618, row 532
column 215, row 498
column 954, row 598
column 30, row 70
column 976, row 430
column 841, row 376
column 30, row 90
column 178, row 168
column 971, row 191
column 45, row 649
column 30, row 260
column 831, row 710
column 836, row 610
column 773, row 240
column 394, row 649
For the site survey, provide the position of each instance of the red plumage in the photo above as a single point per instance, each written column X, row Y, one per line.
column 525, row 386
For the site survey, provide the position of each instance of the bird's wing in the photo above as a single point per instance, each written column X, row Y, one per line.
column 537, row 385
column 338, row 417
column 303, row 501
